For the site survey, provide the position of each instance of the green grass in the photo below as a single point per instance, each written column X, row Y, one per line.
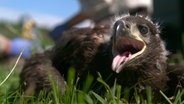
column 10, row 95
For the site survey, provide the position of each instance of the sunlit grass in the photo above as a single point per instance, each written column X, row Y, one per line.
column 84, row 96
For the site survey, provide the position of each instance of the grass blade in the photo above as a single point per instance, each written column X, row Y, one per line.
column 178, row 97
column 166, row 97
column 149, row 95
column 98, row 97
column 12, row 69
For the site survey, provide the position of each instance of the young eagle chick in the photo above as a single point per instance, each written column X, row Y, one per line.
column 131, row 51
column 139, row 55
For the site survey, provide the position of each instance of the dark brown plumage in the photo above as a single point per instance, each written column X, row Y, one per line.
column 37, row 74
column 85, row 49
column 131, row 51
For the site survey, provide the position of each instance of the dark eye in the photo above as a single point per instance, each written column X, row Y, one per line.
column 143, row 29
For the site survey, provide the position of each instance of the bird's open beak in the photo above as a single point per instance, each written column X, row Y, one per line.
column 126, row 45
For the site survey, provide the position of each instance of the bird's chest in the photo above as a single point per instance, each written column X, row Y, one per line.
column 128, row 78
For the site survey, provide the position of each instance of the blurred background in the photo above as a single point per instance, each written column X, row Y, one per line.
column 46, row 13
column 171, row 16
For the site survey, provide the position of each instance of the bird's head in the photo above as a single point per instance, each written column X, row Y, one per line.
column 135, row 39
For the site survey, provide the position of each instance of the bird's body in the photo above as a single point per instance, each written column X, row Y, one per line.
column 37, row 74
column 85, row 51
column 131, row 51
column 78, row 48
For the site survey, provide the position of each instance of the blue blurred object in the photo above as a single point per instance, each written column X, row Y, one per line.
column 56, row 33
column 19, row 44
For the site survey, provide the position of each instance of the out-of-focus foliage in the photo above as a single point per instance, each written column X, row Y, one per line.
column 13, row 30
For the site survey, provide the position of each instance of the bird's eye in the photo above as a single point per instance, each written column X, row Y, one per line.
column 143, row 29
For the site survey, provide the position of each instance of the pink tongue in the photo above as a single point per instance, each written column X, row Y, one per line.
column 118, row 60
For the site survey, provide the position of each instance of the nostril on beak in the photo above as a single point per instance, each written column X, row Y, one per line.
column 119, row 25
column 120, row 28
column 127, row 26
